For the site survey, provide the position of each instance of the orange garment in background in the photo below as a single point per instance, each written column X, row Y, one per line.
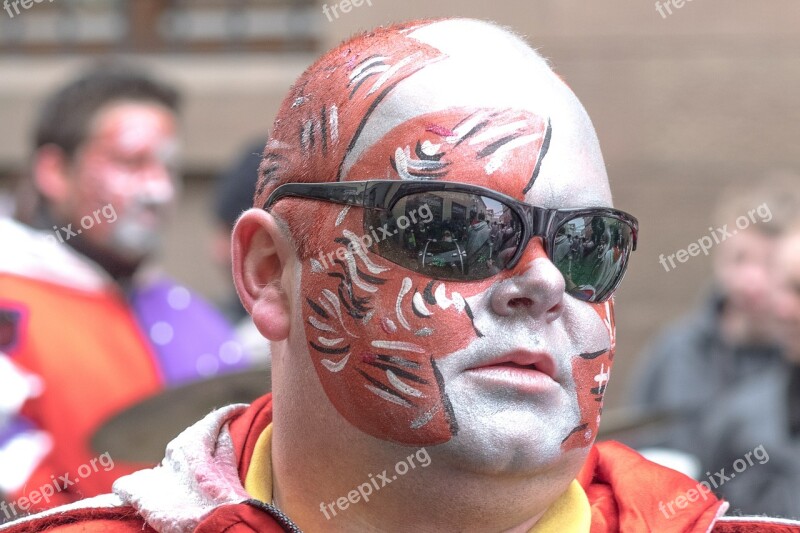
column 93, row 362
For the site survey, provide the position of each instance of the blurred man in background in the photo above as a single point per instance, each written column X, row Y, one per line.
column 764, row 412
column 82, row 309
column 728, row 339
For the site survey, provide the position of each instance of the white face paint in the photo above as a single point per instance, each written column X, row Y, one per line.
column 479, row 108
column 512, row 422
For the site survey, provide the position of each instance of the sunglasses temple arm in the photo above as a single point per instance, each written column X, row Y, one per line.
column 352, row 193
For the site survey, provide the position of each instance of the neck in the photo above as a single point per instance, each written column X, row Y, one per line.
column 335, row 478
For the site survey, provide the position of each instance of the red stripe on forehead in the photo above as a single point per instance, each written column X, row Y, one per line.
column 498, row 149
column 320, row 120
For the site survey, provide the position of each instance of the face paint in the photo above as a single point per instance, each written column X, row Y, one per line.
column 591, row 371
column 378, row 329
column 393, row 348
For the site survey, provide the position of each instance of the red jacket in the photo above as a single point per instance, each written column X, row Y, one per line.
column 201, row 489
column 66, row 323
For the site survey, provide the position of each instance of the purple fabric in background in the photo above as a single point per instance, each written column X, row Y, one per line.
column 191, row 340
column 15, row 426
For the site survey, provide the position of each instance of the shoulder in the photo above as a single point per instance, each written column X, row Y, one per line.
column 39, row 256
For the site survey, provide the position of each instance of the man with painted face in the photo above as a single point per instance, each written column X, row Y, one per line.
column 411, row 396
column 78, row 311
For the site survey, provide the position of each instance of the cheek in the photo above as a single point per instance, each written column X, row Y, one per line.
column 375, row 331
column 591, row 373
column 103, row 182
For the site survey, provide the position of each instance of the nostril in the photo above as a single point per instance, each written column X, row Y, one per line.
column 520, row 302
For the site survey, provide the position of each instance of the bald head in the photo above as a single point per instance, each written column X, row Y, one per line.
column 409, row 101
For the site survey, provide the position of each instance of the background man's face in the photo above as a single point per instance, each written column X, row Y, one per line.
column 787, row 296
column 128, row 162
column 407, row 358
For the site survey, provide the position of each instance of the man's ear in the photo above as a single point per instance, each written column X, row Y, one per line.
column 262, row 256
column 50, row 173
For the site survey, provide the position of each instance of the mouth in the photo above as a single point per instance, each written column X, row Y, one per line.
column 521, row 369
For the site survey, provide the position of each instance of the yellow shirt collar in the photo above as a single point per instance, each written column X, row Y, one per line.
column 570, row 513
column 258, row 480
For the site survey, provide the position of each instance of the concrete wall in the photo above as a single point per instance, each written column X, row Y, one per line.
column 684, row 106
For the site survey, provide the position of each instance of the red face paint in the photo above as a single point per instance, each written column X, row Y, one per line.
column 591, row 372
column 376, row 331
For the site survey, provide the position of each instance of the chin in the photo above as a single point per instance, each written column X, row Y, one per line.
column 517, row 439
column 510, row 457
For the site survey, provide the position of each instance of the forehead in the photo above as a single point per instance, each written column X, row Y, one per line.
column 525, row 113
column 130, row 122
column 749, row 243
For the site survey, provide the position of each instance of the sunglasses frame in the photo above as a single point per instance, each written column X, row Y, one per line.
column 384, row 194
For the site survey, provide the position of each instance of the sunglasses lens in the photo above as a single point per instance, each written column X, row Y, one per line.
column 592, row 253
column 446, row 235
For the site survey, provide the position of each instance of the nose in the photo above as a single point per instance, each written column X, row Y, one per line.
column 535, row 289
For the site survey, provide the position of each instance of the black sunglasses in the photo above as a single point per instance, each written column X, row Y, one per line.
column 461, row 232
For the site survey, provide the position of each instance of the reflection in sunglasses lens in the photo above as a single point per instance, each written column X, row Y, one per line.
column 462, row 236
column 591, row 252
column 448, row 235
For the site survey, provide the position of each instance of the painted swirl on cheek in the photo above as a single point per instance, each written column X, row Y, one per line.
column 591, row 372
column 375, row 332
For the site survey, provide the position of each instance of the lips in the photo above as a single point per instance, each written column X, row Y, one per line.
column 521, row 369
column 523, row 360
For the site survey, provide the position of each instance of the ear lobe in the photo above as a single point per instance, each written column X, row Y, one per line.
column 50, row 173
column 262, row 261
